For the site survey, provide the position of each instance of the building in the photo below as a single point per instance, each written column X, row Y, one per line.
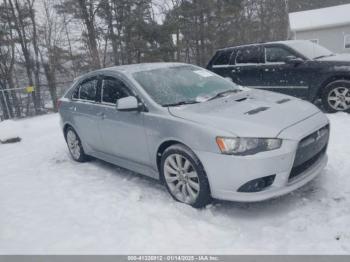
column 329, row 27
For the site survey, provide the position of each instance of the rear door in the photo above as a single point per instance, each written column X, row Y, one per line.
column 247, row 70
column 277, row 75
column 122, row 133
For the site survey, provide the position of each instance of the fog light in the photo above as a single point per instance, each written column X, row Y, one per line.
column 257, row 185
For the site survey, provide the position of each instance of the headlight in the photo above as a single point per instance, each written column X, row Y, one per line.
column 247, row 146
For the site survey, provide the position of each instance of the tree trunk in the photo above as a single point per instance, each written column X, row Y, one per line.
column 4, row 107
column 112, row 35
column 15, row 101
column 51, row 82
column 36, row 52
column 89, row 23
column 19, row 26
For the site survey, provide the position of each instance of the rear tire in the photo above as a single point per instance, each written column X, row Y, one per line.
column 184, row 176
column 336, row 97
column 74, row 145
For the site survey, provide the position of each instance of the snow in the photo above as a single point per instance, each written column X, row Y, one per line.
column 308, row 48
column 320, row 18
column 9, row 129
column 52, row 205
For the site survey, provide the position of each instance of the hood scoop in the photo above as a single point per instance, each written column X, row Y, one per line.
column 241, row 99
column 256, row 111
column 283, row 101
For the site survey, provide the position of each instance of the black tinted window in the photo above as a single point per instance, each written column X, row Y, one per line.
column 276, row 54
column 76, row 93
column 88, row 90
column 113, row 89
column 249, row 55
column 223, row 58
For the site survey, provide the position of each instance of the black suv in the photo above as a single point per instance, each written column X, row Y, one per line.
column 298, row 68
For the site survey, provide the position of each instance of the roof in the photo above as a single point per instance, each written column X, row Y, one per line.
column 286, row 42
column 132, row 68
column 320, row 18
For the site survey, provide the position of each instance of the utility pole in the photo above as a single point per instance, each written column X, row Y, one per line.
column 286, row 6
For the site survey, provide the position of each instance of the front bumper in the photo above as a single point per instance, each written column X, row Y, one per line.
column 227, row 174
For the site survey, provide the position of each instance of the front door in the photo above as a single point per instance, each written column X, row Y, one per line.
column 290, row 79
column 122, row 133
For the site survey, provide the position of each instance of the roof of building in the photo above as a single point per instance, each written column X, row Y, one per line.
column 320, row 18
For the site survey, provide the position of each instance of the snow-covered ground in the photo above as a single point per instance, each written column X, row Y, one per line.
column 52, row 205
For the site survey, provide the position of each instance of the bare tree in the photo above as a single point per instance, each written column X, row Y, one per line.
column 19, row 15
column 7, row 62
column 30, row 4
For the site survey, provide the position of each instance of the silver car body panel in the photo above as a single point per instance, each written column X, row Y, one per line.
column 132, row 139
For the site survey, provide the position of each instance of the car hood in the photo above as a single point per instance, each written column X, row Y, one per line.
column 336, row 58
column 252, row 113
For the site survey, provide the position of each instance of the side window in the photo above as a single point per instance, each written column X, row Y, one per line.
column 76, row 92
column 276, row 54
column 223, row 58
column 112, row 90
column 88, row 90
column 249, row 55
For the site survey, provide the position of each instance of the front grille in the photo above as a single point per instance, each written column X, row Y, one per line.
column 309, row 151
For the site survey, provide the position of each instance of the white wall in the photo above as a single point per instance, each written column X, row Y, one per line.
column 331, row 38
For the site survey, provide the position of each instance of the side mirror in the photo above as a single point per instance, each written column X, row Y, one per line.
column 129, row 103
column 292, row 60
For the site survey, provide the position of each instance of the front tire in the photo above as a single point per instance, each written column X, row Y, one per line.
column 336, row 97
column 74, row 145
column 184, row 176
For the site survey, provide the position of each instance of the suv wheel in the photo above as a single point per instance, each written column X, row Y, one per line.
column 336, row 97
column 184, row 176
column 74, row 145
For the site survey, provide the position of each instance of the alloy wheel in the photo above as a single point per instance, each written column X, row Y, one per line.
column 73, row 144
column 339, row 98
column 181, row 178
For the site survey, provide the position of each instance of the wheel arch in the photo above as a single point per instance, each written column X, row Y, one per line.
column 329, row 80
column 65, row 128
column 163, row 146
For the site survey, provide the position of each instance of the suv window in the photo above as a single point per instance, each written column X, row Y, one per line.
column 223, row 58
column 276, row 54
column 113, row 89
column 88, row 89
column 249, row 55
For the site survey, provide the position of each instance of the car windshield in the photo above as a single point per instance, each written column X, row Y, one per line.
column 182, row 84
column 310, row 50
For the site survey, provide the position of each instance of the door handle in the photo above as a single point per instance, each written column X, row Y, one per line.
column 74, row 108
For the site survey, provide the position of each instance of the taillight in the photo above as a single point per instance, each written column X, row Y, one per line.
column 59, row 102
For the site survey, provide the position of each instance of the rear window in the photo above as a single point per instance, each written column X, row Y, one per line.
column 250, row 55
column 223, row 58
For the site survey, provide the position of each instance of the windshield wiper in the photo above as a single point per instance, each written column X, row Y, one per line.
column 189, row 102
column 323, row 56
column 222, row 94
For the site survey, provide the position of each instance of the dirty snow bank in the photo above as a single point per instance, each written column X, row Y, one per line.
column 10, row 129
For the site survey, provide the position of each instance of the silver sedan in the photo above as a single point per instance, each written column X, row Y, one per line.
column 200, row 134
